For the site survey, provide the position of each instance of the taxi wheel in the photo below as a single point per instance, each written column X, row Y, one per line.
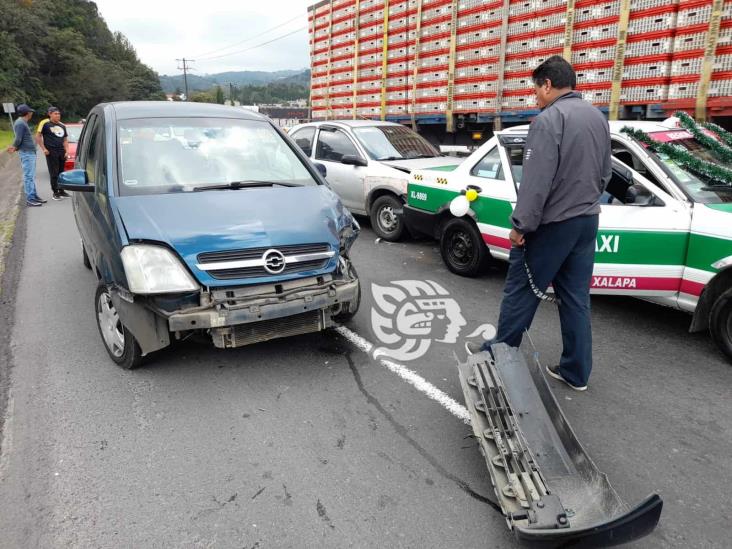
column 385, row 220
column 85, row 257
column 462, row 247
column 720, row 323
column 121, row 346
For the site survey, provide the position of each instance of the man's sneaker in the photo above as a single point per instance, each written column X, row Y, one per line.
column 57, row 196
column 32, row 203
column 554, row 372
column 473, row 348
column 64, row 194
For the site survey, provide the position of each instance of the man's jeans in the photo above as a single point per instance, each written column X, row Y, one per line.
column 562, row 254
column 28, row 163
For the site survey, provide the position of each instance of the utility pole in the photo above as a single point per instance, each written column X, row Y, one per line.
column 185, row 62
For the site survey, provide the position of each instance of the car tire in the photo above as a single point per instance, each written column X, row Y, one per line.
column 462, row 247
column 720, row 323
column 85, row 257
column 384, row 221
column 342, row 318
column 121, row 346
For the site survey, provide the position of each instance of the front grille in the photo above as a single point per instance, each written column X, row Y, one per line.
column 256, row 253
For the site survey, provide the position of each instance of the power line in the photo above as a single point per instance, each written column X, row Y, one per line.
column 250, row 38
column 257, row 46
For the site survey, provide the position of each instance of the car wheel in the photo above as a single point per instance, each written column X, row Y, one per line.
column 720, row 323
column 462, row 247
column 122, row 347
column 342, row 318
column 85, row 257
column 385, row 220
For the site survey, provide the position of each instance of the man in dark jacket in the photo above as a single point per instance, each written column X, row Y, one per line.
column 565, row 170
column 23, row 143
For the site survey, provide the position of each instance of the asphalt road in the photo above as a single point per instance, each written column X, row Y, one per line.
column 309, row 442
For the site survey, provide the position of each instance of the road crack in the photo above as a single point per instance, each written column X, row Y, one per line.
column 402, row 432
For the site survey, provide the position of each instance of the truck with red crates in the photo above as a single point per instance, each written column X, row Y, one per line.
column 462, row 65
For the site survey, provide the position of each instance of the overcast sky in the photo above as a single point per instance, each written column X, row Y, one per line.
column 164, row 30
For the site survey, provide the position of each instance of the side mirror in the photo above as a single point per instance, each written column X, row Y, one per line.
column 640, row 196
column 353, row 160
column 322, row 169
column 75, row 180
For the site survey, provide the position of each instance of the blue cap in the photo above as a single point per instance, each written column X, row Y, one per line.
column 23, row 109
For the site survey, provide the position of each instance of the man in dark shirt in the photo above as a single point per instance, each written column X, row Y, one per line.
column 567, row 164
column 53, row 139
column 26, row 148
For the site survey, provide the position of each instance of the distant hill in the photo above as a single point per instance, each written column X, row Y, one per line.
column 196, row 82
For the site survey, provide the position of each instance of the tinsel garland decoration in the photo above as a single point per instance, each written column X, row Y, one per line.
column 682, row 157
column 720, row 150
column 723, row 134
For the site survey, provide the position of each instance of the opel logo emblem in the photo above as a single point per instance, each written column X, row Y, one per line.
column 274, row 261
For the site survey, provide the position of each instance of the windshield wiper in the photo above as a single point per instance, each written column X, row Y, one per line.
column 242, row 185
column 389, row 158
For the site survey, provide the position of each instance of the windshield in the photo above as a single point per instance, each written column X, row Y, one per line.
column 73, row 133
column 394, row 143
column 693, row 183
column 164, row 155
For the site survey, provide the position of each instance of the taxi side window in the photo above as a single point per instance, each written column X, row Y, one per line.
column 490, row 166
column 630, row 159
column 304, row 139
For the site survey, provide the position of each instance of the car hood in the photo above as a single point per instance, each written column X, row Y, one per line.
column 422, row 163
column 211, row 221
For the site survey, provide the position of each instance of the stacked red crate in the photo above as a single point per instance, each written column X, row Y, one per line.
column 477, row 54
column 647, row 63
column 691, row 39
column 535, row 32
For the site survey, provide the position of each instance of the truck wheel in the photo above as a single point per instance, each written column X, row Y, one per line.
column 342, row 318
column 85, row 257
column 720, row 323
column 462, row 247
column 386, row 223
column 119, row 342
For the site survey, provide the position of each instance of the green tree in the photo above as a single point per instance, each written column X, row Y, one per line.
column 61, row 52
column 219, row 95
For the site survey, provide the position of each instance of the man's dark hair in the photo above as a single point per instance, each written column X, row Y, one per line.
column 556, row 69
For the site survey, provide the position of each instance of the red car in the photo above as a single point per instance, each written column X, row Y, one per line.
column 74, row 131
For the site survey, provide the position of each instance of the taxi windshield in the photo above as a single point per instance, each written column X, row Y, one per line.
column 701, row 189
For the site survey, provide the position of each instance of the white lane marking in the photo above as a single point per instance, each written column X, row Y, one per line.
column 411, row 377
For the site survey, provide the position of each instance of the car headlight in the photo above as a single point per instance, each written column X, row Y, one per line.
column 155, row 270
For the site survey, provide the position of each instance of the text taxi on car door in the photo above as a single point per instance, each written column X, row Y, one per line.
column 665, row 234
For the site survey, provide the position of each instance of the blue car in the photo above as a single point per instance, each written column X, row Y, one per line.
column 202, row 218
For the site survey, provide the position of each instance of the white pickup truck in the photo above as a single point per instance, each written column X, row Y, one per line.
column 665, row 235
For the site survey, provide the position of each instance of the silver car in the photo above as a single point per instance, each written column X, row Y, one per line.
column 368, row 165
